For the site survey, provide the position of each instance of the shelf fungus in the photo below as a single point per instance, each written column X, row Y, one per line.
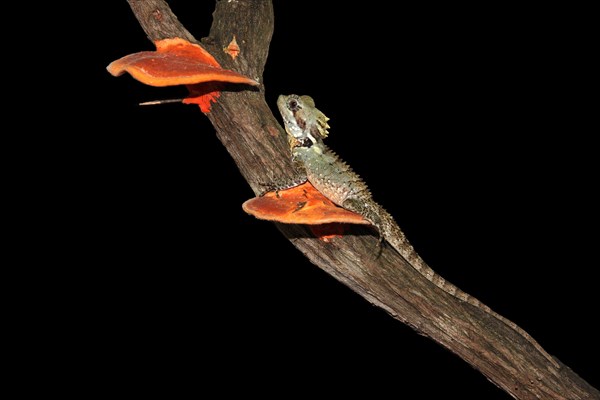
column 303, row 204
column 232, row 49
column 179, row 62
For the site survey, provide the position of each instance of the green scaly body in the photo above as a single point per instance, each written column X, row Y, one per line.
column 307, row 127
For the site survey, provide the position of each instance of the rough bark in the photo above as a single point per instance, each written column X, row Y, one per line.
column 255, row 140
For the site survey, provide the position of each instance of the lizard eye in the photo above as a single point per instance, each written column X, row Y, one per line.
column 293, row 105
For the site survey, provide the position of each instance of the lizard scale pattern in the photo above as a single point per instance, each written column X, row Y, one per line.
column 306, row 127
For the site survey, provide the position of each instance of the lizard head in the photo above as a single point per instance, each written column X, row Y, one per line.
column 302, row 120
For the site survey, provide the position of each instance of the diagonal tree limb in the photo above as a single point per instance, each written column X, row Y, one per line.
column 255, row 140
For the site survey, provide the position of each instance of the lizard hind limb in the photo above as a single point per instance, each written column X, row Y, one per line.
column 340, row 184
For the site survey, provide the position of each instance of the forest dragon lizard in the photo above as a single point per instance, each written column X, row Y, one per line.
column 306, row 127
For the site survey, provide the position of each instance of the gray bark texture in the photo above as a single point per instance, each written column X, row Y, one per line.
column 252, row 135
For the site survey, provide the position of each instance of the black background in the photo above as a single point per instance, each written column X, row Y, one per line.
column 469, row 126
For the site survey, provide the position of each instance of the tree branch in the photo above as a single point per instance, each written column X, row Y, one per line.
column 257, row 143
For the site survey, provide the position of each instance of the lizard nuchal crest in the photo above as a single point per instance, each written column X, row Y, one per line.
column 306, row 127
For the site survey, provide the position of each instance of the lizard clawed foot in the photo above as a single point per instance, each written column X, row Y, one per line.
column 380, row 244
column 277, row 186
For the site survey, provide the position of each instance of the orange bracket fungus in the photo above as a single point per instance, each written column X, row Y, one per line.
column 303, row 204
column 232, row 48
column 179, row 62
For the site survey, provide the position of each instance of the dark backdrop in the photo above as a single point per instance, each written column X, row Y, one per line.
column 467, row 125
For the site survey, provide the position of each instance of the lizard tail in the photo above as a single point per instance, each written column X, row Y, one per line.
column 391, row 232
